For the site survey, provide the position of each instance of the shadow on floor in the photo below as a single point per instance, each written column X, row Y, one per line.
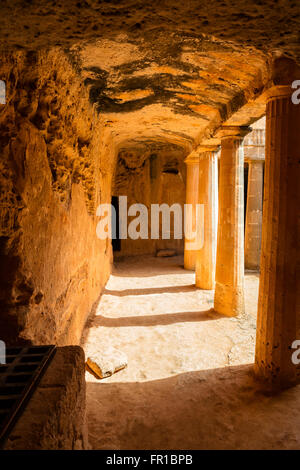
column 153, row 320
column 150, row 267
column 153, row 290
column 209, row 409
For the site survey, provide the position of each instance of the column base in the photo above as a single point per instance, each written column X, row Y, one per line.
column 229, row 301
column 204, row 279
column 273, row 379
column 205, row 285
column 190, row 260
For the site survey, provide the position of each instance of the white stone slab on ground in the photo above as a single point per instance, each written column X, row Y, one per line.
column 106, row 362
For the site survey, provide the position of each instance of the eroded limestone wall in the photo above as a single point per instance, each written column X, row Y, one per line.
column 56, row 161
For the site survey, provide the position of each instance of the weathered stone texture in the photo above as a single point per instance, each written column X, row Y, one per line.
column 52, row 178
column 97, row 90
column 54, row 418
column 264, row 24
column 278, row 318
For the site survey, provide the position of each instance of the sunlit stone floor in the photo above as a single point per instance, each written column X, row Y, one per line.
column 189, row 383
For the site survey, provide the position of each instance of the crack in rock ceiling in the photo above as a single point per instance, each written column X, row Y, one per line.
column 173, row 88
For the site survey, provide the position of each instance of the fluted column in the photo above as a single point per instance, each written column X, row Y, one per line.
column 278, row 323
column 192, row 188
column 229, row 288
column 208, row 196
column 254, row 214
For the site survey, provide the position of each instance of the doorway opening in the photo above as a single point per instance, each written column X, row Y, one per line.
column 116, row 242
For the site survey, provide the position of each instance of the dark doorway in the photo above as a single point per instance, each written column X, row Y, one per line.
column 116, row 242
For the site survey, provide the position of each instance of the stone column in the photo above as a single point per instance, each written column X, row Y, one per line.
column 254, row 214
column 278, row 322
column 192, row 189
column 229, row 289
column 208, row 196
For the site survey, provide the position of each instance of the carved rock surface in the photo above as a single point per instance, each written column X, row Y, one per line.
column 50, row 186
column 54, row 418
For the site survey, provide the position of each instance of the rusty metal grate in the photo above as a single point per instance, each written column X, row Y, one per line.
column 18, row 378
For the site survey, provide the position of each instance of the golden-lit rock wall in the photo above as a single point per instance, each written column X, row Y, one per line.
column 55, row 168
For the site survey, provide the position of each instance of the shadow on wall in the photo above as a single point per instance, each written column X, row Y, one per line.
column 210, row 409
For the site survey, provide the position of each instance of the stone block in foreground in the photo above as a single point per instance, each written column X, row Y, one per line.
column 54, row 417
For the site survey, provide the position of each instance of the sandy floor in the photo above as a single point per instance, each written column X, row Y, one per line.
column 188, row 384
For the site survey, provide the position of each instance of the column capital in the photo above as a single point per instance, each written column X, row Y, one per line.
column 207, row 151
column 279, row 91
column 196, row 155
column 192, row 158
column 284, row 71
column 255, row 159
column 236, row 132
column 208, row 148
